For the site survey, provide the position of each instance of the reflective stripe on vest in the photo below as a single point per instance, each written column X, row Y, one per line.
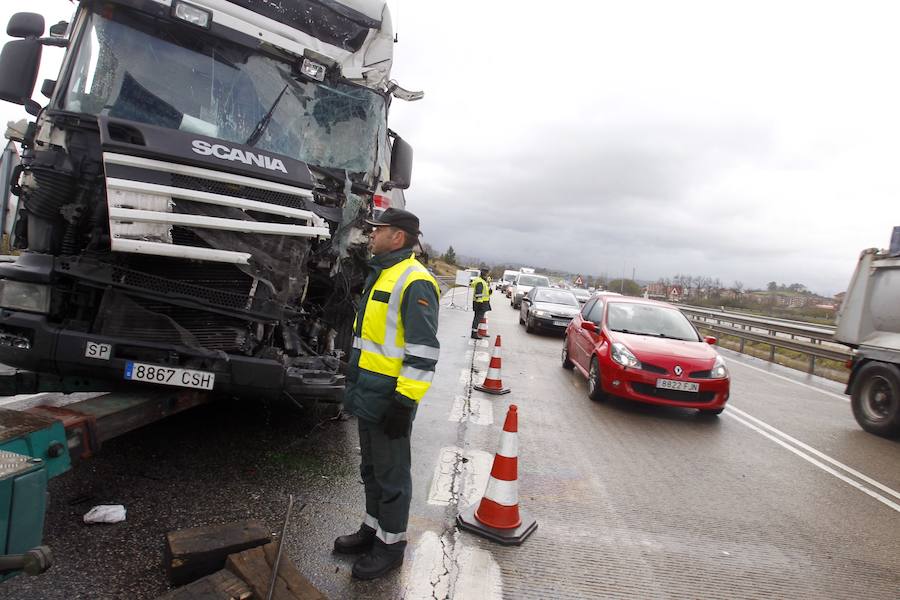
column 381, row 342
column 485, row 295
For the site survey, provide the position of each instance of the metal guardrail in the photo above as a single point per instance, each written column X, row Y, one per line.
column 816, row 341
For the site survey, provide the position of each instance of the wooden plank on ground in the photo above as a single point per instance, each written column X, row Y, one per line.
column 255, row 567
column 221, row 585
column 199, row 551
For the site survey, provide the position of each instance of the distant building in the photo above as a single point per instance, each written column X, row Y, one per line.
column 729, row 294
column 657, row 290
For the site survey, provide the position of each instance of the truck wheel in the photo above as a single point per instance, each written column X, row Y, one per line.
column 875, row 398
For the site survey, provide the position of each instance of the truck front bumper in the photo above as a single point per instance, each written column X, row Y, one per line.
column 57, row 359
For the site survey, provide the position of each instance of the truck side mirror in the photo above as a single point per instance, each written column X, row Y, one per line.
column 59, row 30
column 25, row 25
column 401, row 163
column 19, row 64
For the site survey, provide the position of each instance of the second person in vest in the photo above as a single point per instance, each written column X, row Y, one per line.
column 481, row 300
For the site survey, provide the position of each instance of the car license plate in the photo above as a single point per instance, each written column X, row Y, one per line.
column 681, row 386
column 560, row 323
column 169, row 376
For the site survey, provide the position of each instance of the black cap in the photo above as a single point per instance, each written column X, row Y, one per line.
column 399, row 218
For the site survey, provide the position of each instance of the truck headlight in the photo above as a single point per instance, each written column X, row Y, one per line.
column 624, row 357
column 719, row 371
column 192, row 14
column 22, row 295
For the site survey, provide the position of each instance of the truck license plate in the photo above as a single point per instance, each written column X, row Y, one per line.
column 681, row 386
column 168, row 376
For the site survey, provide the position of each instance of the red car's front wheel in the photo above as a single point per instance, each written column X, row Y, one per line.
column 595, row 390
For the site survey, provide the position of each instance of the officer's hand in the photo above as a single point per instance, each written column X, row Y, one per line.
column 397, row 420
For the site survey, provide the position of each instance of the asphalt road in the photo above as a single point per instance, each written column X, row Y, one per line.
column 782, row 496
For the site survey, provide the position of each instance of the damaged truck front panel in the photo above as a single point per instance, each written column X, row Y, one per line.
column 192, row 203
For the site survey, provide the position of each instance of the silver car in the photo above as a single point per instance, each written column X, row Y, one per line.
column 548, row 308
column 523, row 285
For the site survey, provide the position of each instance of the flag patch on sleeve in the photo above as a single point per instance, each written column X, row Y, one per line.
column 423, row 302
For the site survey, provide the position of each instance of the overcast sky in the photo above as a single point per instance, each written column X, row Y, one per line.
column 749, row 141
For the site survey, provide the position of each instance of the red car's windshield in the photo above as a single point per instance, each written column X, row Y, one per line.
column 649, row 319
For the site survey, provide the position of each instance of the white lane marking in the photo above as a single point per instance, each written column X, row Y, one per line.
column 821, row 455
column 806, row 385
column 461, row 475
column 443, row 567
column 482, row 357
column 480, row 411
column 427, row 575
column 479, row 575
column 465, row 375
column 824, row 467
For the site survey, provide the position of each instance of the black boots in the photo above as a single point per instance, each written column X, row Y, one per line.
column 380, row 559
column 355, row 543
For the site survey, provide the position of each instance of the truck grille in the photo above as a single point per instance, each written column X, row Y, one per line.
column 142, row 320
column 222, row 285
column 238, row 191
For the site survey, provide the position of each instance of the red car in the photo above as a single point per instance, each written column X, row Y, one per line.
column 646, row 351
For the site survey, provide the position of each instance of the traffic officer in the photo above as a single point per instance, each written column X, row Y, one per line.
column 481, row 300
column 391, row 365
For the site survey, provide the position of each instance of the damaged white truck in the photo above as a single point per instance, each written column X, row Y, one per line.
column 193, row 195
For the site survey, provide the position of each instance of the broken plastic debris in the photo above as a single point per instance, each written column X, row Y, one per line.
column 105, row 513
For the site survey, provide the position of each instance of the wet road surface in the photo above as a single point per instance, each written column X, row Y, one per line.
column 781, row 496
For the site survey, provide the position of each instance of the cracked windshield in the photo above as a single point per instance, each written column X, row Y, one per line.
column 222, row 90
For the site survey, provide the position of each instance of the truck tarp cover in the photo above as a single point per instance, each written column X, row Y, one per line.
column 339, row 24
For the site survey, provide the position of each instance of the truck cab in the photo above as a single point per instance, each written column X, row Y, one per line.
column 193, row 196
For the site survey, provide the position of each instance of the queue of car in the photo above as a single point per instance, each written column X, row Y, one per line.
column 548, row 308
column 634, row 348
column 523, row 284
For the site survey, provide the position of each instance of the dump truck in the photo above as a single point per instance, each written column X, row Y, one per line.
column 869, row 322
column 192, row 196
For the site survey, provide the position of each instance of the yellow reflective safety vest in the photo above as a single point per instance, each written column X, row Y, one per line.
column 485, row 294
column 381, row 343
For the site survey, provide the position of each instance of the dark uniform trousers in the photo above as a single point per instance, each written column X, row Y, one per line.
column 385, row 471
column 481, row 309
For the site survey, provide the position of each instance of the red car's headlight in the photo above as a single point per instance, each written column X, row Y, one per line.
column 719, row 371
column 623, row 356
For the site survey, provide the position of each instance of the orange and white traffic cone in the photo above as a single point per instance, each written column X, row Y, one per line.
column 492, row 383
column 482, row 327
column 497, row 516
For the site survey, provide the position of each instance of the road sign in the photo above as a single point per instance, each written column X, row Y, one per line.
column 579, row 282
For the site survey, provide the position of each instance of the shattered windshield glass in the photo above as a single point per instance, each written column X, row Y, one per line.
column 130, row 68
